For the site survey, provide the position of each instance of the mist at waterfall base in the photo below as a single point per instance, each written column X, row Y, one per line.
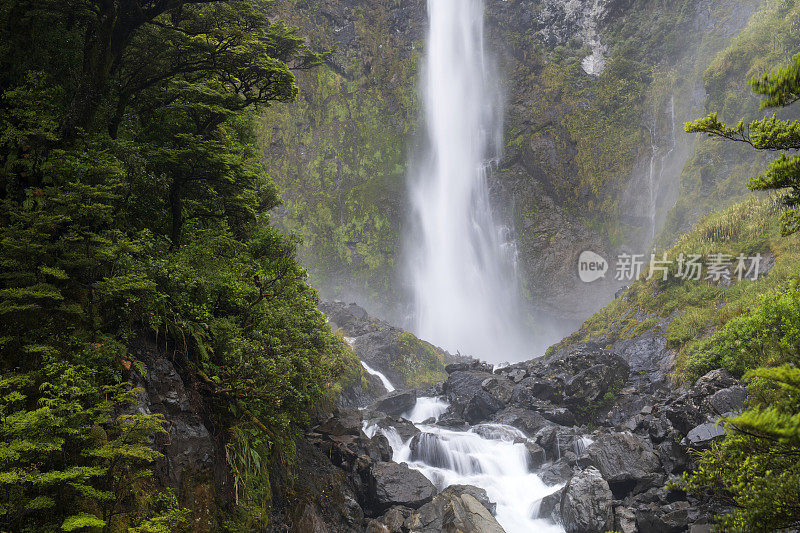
column 490, row 456
column 461, row 262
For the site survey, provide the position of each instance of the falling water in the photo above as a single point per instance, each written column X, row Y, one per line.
column 655, row 179
column 384, row 380
column 461, row 261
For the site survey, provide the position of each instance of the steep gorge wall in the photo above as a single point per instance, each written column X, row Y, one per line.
column 591, row 161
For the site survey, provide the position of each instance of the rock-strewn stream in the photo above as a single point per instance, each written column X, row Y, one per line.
column 575, row 442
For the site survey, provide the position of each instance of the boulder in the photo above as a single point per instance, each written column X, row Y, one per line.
column 536, row 455
column 529, row 422
column 659, row 518
column 624, row 520
column 352, row 319
column 462, row 385
column 309, row 521
column 499, row 387
column 342, row 422
column 704, row 434
column 404, row 428
column 396, row 403
column 555, row 440
column 476, row 492
column 556, row 473
column 394, row 518
column 623, row 459
column 713, row 381
column 396, row 484
column 481, row 406
column 466, row 366
column 558, row 415
column 549, row 507
column 456, row 509
column 586, row 505
column 728, row 400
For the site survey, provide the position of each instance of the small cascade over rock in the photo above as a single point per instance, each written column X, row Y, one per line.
column 493, row 457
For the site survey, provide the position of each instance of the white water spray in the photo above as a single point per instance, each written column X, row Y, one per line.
column 490, row 456
column 461, row 263
column 384, row 380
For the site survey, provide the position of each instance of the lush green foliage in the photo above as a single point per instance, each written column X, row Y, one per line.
column 132, row 203
column 755, row 467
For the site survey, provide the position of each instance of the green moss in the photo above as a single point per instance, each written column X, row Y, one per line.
column 695, row 310
column 420, row 362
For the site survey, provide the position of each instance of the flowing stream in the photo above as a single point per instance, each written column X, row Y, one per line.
column 490, row 456
column 461, row 260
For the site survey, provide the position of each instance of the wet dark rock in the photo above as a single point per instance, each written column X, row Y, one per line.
column 451, row 420
column 586, row 505
column 556, row 440
column 624, row 520
column 536, row 455
column 549, row 507
column 394, row 518
column 396, row 403
column 582, row 378
column 499, row 388
column 555, row 473
column 462, row 385
column 476, row 492
column 360, row 394
column 342, row 422
column 730, row 399
column 623, row 459
column 469, row 366
column 704, row 434
column 396, row 484
column 674, row 457
column 647, row 355
column 332, row 505
column 684, row 415
column 405, row 429
column 481, row 407
column 529, row 422
column 657, row 518
column 516, row 375
column 352, row 319
column 191, row 462
column 559, row 415
column 714, row 381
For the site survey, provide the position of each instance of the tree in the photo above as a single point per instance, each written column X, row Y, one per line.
column 781, row 88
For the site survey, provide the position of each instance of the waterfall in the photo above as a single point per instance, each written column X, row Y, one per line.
column 656, row 179
column 384, row 380
column 491, row 456
column 461, row 261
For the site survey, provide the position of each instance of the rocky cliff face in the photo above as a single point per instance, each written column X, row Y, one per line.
column 597, row 91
